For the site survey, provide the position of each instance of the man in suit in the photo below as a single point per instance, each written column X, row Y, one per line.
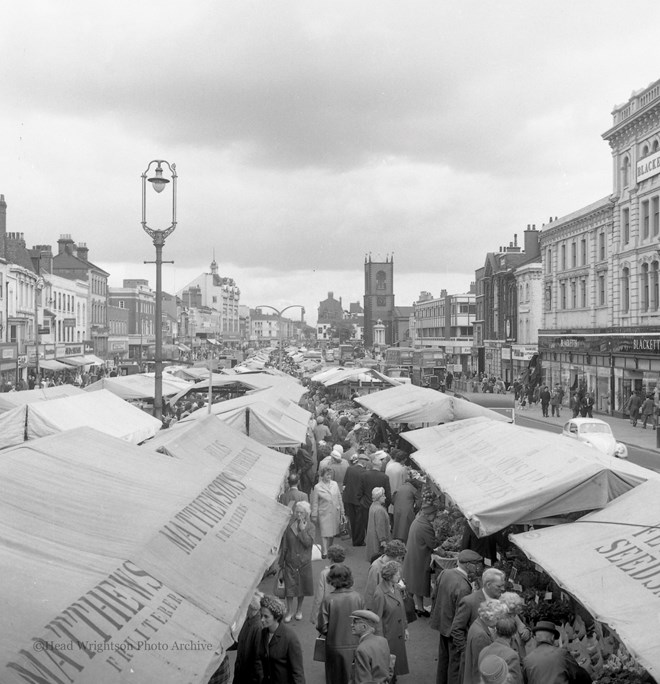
column 493, row 583
column 453, row 585
column 374, row 478
column 357, row 519
column 548, row 663
column 371, row 662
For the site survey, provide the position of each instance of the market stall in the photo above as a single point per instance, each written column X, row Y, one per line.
column 10, row 400
column 336, row 376
column 101, row 410
column 138, row 386
column 499, row 474
column 408, row 403
column 613, row 570
column 122, row 564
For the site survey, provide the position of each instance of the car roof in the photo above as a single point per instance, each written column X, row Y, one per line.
column 582, row 421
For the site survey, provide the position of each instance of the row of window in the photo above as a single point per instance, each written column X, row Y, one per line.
column 649, row 220
column 649, row 288
column 573, row 254
column 574, row 294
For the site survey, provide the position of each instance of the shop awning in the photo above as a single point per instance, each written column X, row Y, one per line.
column 73, row 360
column 210, row 340
column 500, row 474
column 93, row 360
column 366, row 375
column 139, row 385
column 610, row 562
column 408, row 403
column 183, row 348
column 97, row 543
column 51, row 364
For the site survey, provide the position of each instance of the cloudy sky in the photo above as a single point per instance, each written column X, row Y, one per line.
column 307, row 134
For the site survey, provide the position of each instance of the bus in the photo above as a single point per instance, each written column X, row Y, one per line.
column 345, row 352
column 398, row 362
column 429, row 368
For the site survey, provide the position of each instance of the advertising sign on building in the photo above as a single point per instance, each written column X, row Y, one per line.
column 648, row 167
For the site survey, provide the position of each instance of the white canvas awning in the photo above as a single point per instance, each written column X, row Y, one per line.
column 73, row 360
column 335, row 376
column 408, row 403
column 139, row 386
column 107, row 548
column 51, row 364
column 10, row 400
column 610, row 562
column 499, row 474
column 101, row 410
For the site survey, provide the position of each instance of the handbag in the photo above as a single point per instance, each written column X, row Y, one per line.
column 409, row 607
column 319, row 649
column 278, row 587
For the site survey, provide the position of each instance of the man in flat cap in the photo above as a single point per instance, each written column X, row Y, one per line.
column 548, row 663
column 371, row 662
column 453, row 585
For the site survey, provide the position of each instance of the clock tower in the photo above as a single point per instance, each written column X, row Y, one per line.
column 378, row 298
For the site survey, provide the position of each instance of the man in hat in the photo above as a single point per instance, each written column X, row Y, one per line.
column 454, row 584
column 371, row 662
column 357, row 516
column 548, row 663
column 374, row 478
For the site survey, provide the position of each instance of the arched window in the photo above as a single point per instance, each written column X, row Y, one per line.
column 381, row 278
column 656, row 145
column 625, row 172
column 625, row 290
column 644, row 278
column 645, row 151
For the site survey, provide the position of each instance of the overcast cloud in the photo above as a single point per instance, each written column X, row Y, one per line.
column 308, row 134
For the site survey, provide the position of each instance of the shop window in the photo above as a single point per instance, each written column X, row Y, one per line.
column 625, row 225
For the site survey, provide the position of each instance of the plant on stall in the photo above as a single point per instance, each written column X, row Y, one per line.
column 448, row 526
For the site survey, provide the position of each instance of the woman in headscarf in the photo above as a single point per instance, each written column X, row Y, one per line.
column 378, row 526
column 327, row 509
column 296, row 559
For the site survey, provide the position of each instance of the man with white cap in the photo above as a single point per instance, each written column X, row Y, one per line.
column 337, row 463
column 371, row 662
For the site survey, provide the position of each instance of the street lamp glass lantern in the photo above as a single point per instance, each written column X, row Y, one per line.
column 158, row 181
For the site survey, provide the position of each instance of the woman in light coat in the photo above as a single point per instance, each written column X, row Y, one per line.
column 378, row 526
column 327, row 509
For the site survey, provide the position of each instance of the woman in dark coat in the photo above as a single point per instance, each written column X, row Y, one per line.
column 334, row 621
column 296, row 559
column 405, row 505
column 280, row 654
column 247, row 667
column 416, row 566
column 387, row 603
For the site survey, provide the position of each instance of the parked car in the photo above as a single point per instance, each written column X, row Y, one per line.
column 596, row 433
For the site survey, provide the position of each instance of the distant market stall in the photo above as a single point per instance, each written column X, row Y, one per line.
column 614, row 568
column 500, row 474
column 123, row 564
column 10, row 400
column 408, row 403
column 101, row 410
column 138, row 386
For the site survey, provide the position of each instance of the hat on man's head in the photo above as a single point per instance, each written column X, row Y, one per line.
column 469, row 556
column 546, row 626
column 354, row 458
column 336, row 456
column 366, row 615
column 493, row 670
column 363, row 458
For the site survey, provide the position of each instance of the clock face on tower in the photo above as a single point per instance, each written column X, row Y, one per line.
column 380, row 301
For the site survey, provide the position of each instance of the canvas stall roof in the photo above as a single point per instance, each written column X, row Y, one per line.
column 138, row 386
column 265, row 416
column 367, row 375
column 614, row 567
column 499, row 474
column 97, row 543
column 101, row 410
column 10, row 400
column 52, row 364
column 74, row 360
column 408, row 403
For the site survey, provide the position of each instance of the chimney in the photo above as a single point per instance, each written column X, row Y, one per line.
column 331, row 295
column 3, row 225
column 65, row 244
column 532, row 246
column 82, row 251
column 42, row 258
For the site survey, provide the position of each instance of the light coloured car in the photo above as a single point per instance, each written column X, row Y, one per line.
column 596, row 433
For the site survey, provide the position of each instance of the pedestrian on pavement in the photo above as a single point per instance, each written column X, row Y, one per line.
column 395, row 550
column 633, row 406
column 479, row 636
column 549, row 663
column 327, row 509
column 388, row 605
column 656, row 406
column 416, row 566
column 556, row 399
column 280, row 654
column 505, row 629
column 334, row 621
column 357, row 516
column 373, row 477
column 292, row 495
column 336, row 554
column 453, row 585
column 247, row 665
column 296, row 559
column 406, row 505
column 378, row 525
column 647, row 410
column 371, row 663
column 545, row 400
column 493, row 670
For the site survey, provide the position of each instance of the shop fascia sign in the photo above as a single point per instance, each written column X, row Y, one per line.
column 635, row 344
column 648, row 167
column 523, row 352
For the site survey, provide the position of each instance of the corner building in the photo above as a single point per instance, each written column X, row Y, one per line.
column 601, row 326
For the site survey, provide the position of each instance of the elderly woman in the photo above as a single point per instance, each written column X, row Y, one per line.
column 296, row 558
column 280, row 654
column 515, row 604
column 417, row 564
column 336, row 554
column 335, row 622
column 327, row 509
column 479, row 636
column 387, row 603
column 378, row 526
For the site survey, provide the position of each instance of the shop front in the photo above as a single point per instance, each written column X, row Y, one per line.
column 610, row 365
column 9, row 366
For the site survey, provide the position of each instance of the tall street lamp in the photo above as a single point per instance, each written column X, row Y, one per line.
column 159, row 182
column 279, row 318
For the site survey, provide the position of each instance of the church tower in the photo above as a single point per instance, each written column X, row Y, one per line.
column 378, row 298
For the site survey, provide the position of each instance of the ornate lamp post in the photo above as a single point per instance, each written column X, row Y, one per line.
column 279, row 319
column 159, row 236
